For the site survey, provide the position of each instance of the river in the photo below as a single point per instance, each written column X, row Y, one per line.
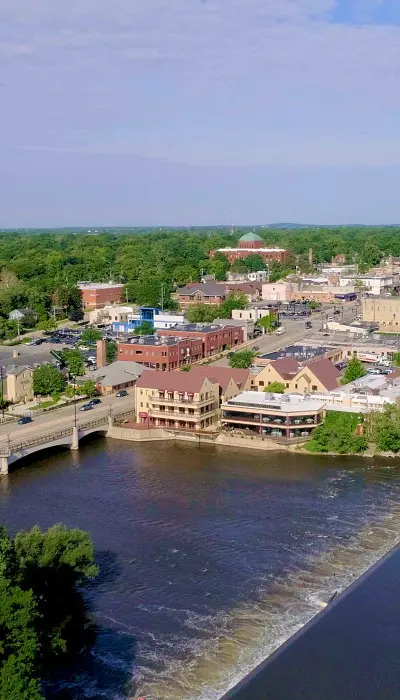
column 210, row 557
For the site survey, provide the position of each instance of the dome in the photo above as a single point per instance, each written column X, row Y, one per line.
column 250, row 238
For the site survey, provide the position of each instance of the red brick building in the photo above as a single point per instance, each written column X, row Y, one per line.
column 161, row 353
column 201, row 293
column 95, row 296
column 251, row 244
column 214, row 338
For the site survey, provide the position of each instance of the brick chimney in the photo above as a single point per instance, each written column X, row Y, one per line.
column 101, row 353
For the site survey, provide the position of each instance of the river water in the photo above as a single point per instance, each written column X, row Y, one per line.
column 210, row 557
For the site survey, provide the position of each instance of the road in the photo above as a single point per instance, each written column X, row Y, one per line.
column 295, row 331
column 64, row 417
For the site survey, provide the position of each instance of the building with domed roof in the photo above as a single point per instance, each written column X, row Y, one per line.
column 252, row 244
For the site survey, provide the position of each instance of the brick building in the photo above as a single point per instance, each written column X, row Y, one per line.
column 161, row 353
column 214, row 338
column 95, row 296
column 201, row 293
column 252, row 244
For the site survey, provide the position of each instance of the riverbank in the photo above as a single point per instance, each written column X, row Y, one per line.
column 137, row 433
column 348, row 651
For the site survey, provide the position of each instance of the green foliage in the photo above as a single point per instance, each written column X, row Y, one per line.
column 269, row 322
column 242, row 359
column 275, row 388
column 234, row 300
column 47, row 380
column 47, row 325
column 90, row 336
column 145, row 328
column 337, row 434
column 202, row 313
column 186, row 368
column 396, row 359
column 111, row 351
column 353, row 371
column 313, row 305
column 69, row 391
column 43, row 619
column 74, row 361
column 88, row 388
column 385, row 429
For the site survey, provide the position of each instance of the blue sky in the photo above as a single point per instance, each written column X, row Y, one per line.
column 179, row 112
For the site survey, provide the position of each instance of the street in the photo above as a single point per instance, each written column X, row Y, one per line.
column 64, row 417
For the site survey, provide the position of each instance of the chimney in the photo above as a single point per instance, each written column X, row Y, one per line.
column 101, row 353
column 310, row 257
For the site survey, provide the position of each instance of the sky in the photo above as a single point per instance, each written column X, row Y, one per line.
column 199, row 112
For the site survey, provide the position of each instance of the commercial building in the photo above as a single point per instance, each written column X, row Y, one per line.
column 252, row 244
column 373, row 283
column 156, row 317
column 259, row 276
column 215, row 338
column 95, row 296
column 369, row 393
column 186, row 400
column 315, row 376
column 275, row 415
column 19, row 384
column 160, row 353
column 112, row 313
column 248, row 327
column 385, row 311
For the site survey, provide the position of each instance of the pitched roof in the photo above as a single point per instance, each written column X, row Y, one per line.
column 325, row 371
column 171, row 381
column 18, row 369
column 210, row 289
column 223, row 375
column 117, row 373
column 286, row 366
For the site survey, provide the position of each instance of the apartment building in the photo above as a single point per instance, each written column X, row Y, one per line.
column 186, row 400
column 19, row 384
column 273, row 415
column 215, row 338
column 201, row 293
column 165, row 354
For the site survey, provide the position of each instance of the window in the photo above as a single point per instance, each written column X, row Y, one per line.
column 314, row 387
column 141, row 404
column 295, row 386
column 260, row 383
column 287, row 385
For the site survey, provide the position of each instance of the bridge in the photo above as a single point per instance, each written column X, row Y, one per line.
column 70, row 435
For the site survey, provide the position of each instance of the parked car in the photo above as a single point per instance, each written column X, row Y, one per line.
column 24, row 420
column 255, row 347
column 86, row 407
column 94, row 402
column 281, row 331
column 308, row 324
column 121, row 394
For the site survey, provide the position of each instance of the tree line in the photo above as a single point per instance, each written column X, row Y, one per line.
column 39, row 270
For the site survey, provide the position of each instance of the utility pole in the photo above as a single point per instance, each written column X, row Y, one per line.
column 162, row 296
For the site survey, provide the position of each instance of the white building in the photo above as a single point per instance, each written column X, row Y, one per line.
column 374, row 284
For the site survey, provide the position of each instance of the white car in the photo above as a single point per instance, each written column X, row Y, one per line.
column 281, row 331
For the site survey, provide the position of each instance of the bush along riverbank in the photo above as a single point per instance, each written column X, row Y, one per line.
column 354, row 433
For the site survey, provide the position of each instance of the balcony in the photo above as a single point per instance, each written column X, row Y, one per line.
column 271, row 421
column 177, row 415
column 157, row 400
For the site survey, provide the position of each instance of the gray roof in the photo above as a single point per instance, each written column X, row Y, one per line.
column 15, row 369
column 210, row 289
column 117, row 373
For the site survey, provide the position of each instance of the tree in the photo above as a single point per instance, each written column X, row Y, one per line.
column 74, row 361
column 88, row 388
column 354, row 370
column 275, row 388
column 234, row 300
column 183, row 274
column 396, row 359
column 385, row 430
column 269, row 322
column 338, row 434
column 202, row 313
column 254, row 263
column 43, row 617
column 90, row 336
column 111, row 351
column 313, row 305
column 242, row 359
column 47, row 380
column 145, row 328
column 47, row 325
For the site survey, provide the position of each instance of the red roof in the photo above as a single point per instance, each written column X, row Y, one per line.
column 193, row 380
column 325, row 371
column 286, row 366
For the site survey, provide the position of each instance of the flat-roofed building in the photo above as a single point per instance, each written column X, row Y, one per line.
column 97, row 295
column 156, row 352
column 275, row 415
column 385, row 311
column 215, row 337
